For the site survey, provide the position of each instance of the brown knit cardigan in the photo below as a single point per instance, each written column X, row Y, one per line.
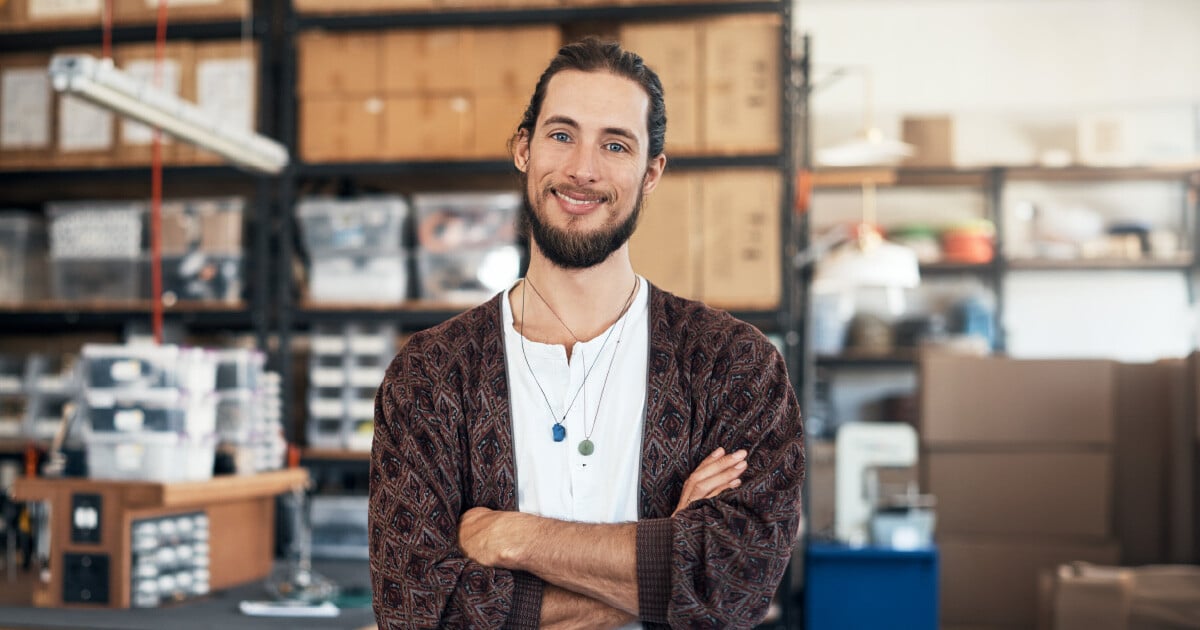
column 443, row 444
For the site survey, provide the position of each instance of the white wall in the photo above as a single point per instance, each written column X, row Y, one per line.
column 1039, row 65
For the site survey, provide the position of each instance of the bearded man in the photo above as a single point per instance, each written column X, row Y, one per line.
column 585, row 449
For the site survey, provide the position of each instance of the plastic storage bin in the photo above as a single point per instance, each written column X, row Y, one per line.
column 199, row 277
column 148, row 367
column 22, row 257
column 381, row 279
column 96, row 230
column 150, row 456
column 870, row 588
column 78, row 279
column 352, row 226
column 209, row 225
column 152, row 410
column 469, row 276
column 239, row 368
column 339, row 527
column 449, row 222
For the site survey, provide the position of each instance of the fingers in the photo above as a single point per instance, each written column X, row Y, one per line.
column 715, row 474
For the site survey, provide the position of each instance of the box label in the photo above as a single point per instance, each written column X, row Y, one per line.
column 49, row 9
column 25, row 110
column 83, row 126
column 226, row 90
column 135, row 133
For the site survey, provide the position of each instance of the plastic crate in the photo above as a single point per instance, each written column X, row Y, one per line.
column 124, row 367
column 199, row 277
column 379, row 279
column 96, row 230
column 22, row 257
column 239, row 368
column 150, row 456
column 105, row 279
column 469, row 276
column 373, row 225
column 339, row 527
column 151, row 410
column 449, row 222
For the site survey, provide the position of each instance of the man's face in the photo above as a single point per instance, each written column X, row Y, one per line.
column 586, row 167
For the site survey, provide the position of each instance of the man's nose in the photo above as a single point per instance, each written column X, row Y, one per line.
column 581, row 165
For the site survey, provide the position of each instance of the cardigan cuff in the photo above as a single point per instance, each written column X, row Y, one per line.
column 526, row 610
column 654, row 569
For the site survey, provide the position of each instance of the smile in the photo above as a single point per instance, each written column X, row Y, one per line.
column 577, row 201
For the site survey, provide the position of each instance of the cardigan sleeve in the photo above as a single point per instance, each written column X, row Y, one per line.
column 718, row 563
column 419, row 577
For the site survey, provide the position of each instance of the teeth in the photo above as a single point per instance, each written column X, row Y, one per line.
column 575, row 202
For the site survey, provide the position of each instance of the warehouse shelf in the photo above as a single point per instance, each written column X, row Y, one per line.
column 1100, row 174
column 334, row 454
column 947, row 268
column 1181, row 263
column 72, row 175
column 505, row 166
column 56, row 314
column 865, row 360
column 978, row 177
column 30, row 40
column 535, row 15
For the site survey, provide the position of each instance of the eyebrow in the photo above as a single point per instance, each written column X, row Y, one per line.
column 612, row 131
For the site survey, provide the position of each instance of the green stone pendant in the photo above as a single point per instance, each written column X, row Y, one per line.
column 586, row 448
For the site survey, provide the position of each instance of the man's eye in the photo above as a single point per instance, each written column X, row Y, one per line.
column 615, row 147
column 560, row 136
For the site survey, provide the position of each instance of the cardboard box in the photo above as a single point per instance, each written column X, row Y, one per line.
column 341, row 128
column 85, row 133
column 1022, row 493
column 134, row 140
column 227, row 87
column 146, row 11
column 673, row 51
column 428, row 127
column 358, row 6
column 53, row 14
column 741, row 228
column 9, row 17
column 741, row 85
column 496, row 120
column 429, row 62
column 1143, row 415
column 994, row 580
column 932, row 139
column 1007, row 402
column 27, row 111
column 512, row 59
column 666, row 246
column 339, row 64
column 1082, row 597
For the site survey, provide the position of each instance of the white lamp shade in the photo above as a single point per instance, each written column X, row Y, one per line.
column 881, row 264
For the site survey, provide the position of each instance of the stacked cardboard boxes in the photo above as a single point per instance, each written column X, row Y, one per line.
column 1039, row 463
column 41, row 129
column 713, row 236
column 446, row 93
column 720, row 79
column 28, row 15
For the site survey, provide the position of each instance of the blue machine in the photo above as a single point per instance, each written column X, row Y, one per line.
column 870, row 588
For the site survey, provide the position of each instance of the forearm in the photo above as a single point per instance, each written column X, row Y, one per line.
column 563, row 609
column 598, row 561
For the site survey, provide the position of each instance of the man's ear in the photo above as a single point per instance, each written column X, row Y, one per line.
column 654, row 173
column 521, row 151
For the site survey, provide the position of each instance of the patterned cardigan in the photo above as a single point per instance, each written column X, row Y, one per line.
column 443, row 443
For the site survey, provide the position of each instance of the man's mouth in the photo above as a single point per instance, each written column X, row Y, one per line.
column 578, row 198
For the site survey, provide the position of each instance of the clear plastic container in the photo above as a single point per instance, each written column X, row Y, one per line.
column 148, row 367
column 448, row 222
column 239, row 368
column 151, row 456
column 339, row 527
column 152, row 410
column 238, row 415
column 199, row 277
column 356, row 338
column 379, row 279
column 103, row 279
column 22, row 257
column 212, row 225
column 96, row 230
column 469, row 276
column 352, row 226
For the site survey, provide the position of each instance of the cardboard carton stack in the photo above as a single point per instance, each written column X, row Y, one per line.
column 445, row 93
column 713, row 236
column 1020, row 455
column 42, row 129
column 720, row 79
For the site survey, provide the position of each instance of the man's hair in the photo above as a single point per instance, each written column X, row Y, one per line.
column 593, row 55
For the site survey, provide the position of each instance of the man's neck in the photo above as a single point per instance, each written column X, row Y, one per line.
column 588, row 300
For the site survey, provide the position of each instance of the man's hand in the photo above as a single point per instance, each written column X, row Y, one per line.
column 717, row 473
column 489, row 537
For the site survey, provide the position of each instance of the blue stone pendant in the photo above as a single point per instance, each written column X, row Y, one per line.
column 560, row 433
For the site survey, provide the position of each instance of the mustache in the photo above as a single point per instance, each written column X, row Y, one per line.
column 590, row 193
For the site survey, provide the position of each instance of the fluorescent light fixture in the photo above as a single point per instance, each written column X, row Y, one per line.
column 100, row 82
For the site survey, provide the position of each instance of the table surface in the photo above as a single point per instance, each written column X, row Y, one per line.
column 217, row 610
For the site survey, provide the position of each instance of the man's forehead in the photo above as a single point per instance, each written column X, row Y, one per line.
column 598, row 91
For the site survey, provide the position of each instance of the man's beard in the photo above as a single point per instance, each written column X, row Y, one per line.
column 574, row 250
